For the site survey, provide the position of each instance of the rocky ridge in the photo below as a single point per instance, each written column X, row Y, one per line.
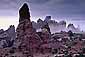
column 54, row 25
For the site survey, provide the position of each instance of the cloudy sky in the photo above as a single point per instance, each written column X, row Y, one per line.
column 73, row 11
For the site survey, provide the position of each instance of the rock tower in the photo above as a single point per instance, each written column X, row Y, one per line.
column 26, row 36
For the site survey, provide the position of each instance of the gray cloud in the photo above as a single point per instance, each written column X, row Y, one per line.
column 38, row 1
column 10, row 7
column 56, row 8
column 62, row 8
column 11, row 4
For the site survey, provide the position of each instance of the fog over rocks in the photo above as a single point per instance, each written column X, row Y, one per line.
column 54, row 25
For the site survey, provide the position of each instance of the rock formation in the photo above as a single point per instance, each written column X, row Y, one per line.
column 26, row 42
column 29, row 40
column 73, row 28
column 54, row 25
column 7, row 37
column 47, row 19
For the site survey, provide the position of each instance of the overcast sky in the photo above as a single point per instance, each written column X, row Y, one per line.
column 73, row 11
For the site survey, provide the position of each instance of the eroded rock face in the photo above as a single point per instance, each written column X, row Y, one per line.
column 26, row 36
column 7, row 37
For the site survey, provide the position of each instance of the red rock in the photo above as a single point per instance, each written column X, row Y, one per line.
column 25, row 32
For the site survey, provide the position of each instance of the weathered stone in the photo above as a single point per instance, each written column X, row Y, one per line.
column 24, row 12
column 26, row 35
column 7, row 37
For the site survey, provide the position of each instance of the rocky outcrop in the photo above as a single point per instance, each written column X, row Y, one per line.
column 47, row 19
column 7, row 37
column 27, row 38
column 54, row 25
column 40, row 23
column 73, row 29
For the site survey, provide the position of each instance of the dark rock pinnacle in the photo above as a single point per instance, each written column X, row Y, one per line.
column 24, row 12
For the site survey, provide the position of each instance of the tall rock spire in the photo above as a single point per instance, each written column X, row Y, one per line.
column 25, row 32
column 24, row 12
